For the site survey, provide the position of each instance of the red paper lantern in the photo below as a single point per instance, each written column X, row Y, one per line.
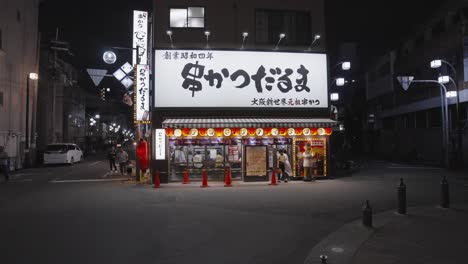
column 252, row 131
column 169, row 132
column 283, row 131
column 219, row 132
column 185, row 132
column 235, row 131
column 313, row 131
column 298, row 131
column 202, row 132
column 328, row 131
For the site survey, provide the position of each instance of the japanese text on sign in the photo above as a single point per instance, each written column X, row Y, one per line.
column 193, row 78
column 140, row 37
column 142, row 93
column 160, row 144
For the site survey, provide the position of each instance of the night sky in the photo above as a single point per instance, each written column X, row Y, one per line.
column 91, row 25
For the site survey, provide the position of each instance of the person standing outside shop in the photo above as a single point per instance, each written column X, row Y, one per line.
column 111, row 156
column 282, row 159
column 4, row 163
column 308, row 163
column 122, row 159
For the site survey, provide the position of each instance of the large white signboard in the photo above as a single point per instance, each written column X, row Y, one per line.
column 210, row 78
column 140, row 36
column 142, row 108
column 160, row 144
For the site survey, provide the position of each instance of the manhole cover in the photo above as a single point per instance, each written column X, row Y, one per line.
column 337, row 250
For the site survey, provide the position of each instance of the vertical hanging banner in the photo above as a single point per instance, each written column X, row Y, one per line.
column 160, row 144
column 141, row 106
column 140, row 37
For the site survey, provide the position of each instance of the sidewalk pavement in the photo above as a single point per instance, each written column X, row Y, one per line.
column 426, row 235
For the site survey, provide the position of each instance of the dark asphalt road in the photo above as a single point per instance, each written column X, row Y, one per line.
column 110, row 222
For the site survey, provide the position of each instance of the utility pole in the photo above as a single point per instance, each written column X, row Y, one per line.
column 56, row 46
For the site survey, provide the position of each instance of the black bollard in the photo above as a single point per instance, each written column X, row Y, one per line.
column 444, row 193
column 402, row 197
column 323, row 258
column 367, row 215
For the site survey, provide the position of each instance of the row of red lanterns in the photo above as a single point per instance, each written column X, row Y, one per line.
column 244, row 132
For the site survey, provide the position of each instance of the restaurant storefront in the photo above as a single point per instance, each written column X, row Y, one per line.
column 210, row 113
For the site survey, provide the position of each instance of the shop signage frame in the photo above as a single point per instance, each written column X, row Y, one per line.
column 225, row 84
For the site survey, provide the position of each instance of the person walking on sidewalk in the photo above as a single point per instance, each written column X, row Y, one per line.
column 4, row 163
column 122, row 159
column 111, row 156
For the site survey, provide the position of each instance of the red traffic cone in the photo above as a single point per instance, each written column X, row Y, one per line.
column 186, row 177
column 227, row 178
column 157, row 180
column 204, row 180
column 273, row 177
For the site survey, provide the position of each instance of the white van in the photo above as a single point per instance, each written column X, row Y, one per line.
column 60, row 153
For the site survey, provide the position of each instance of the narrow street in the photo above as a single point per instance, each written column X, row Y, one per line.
column 114, row 222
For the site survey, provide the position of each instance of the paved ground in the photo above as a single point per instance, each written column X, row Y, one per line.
column 113, row 222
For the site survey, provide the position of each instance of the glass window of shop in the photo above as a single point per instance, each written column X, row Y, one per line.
column 197, row 155
column 310, row 155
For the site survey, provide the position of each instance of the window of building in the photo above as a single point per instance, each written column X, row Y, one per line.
column 295, row 24
column 187, row 17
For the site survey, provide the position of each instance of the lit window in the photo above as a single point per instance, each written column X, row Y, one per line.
column 190, row 17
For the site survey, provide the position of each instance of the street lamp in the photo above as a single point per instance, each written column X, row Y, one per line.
column 31, row 76
column 451, row 94
column 169, row 34
column 346, row 66
column 340, row 81
column 334, row 97
column 244, row 37
column 207, row 35
column 109, row 57
column 316, row 38
column 281, row 36
column 405, row 82
column 435, row 64
column 443, row 79
column 97, row 116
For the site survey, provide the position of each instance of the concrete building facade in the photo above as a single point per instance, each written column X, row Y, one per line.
column 406, row 124
column 240, row 26
column 19, row 56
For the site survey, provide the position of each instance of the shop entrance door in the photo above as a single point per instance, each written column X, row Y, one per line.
column 256, row 163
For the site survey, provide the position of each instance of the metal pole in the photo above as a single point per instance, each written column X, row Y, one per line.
column 401, row 197
column 444, row 110
column 27, row 113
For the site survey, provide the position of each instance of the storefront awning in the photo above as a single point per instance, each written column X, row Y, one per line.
column 247, row 122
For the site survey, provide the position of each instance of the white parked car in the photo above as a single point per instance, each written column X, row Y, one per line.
column 60, row 153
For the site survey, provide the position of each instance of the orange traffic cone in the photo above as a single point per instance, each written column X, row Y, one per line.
column 157, row 180
column 273, row 177
column 227, row 178
column 186, row 177
column 204, row 180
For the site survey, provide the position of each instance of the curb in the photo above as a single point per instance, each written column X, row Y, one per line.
column 341, row 245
